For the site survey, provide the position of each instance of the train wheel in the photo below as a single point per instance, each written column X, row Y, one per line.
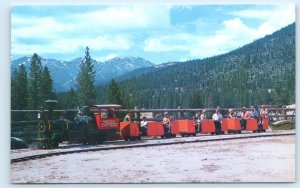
column 162, row 137
column 173, row 135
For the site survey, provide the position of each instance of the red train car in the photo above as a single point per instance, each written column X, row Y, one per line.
column 155, row 129
column 130, row 130
column 208, row 126
column 186, row 127
column 232, row 125
column 174, row 128
column 251, row 125
column 265, row 124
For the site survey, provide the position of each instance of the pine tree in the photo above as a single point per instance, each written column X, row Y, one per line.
column 34, row 83
column 114, row 93
column 85, row 81
column 14, row 94
column 46, row 85
column 19, row 93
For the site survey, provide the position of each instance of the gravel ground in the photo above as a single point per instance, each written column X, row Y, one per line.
column 73, row 147
column 269, row 159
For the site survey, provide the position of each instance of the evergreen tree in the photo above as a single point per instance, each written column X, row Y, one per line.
column 46, row 85
column 85, row 81
column 114, row 93
column 22, row 83
column 67, row 100
column 19, row 93
column 14, row 95
column 34, row 83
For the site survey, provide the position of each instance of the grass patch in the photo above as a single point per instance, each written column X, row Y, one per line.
column 283, row 127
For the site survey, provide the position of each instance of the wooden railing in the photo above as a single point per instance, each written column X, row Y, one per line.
column 180, row 113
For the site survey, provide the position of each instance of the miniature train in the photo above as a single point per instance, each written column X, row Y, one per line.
column 100, row 122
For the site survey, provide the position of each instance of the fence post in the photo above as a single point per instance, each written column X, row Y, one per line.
column 284, row 113
column 135, row 114
column 179, row 113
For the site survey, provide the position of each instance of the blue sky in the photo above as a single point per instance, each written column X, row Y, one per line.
column 159, row 33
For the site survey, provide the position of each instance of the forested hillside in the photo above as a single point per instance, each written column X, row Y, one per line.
column 239, row 78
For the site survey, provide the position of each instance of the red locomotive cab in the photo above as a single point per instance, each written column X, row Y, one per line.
column 105, row 116
column 130, row 130
column 186, row 127
column 155, row 128
column 251, row 125
column 208, row 126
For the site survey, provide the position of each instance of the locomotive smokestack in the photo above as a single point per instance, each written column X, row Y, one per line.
column 51, row 104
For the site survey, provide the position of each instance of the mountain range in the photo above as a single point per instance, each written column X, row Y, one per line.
column 64, row 73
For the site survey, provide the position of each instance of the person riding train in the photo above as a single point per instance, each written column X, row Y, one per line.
column 217, row 117
column 166, row 122
column 244, row 116
column 231, row 113
column 128, row 116
column 199, row 119
column 144, row 126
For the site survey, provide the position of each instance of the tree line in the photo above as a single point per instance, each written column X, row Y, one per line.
column 29, row 90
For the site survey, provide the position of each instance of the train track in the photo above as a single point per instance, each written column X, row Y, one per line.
column 45, row 155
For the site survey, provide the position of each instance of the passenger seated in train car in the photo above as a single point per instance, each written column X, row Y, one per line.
column 256, row 113
column 127, row 117
column 198, row 122
column 244, row 116
column 158, row 117
column 203, row 115
column 217, row 117
column 231, row 113
column 166, row 122
column 264, row 112
column 144, row 126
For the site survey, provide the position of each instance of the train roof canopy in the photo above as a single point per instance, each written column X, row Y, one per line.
column 106, row 106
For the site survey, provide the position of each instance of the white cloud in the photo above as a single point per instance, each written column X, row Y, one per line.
column 106, row 57
column 234, row 34
column 106, row 29
column 115, row 28
column 62, row 46
column 257, row 14
column 278, row 17
column 40, row 28
column 116, row 17
column 167, row 43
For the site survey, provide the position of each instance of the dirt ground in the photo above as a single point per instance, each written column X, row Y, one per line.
column 269, row 159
